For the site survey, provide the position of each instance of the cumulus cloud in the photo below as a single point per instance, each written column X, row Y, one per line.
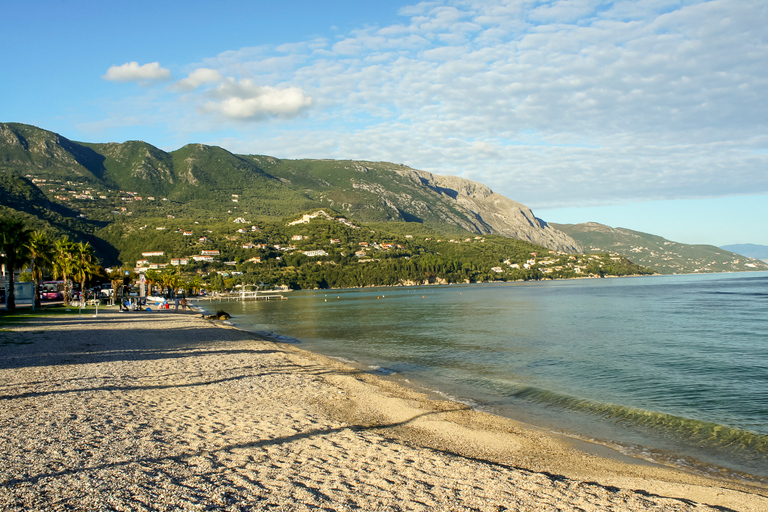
column 197, row 78
column 133, row 72
column 245, row 100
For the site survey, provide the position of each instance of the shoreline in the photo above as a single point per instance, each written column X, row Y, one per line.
column 590, row 431
column 185, row 411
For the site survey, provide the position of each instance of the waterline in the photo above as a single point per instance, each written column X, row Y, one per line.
column 675, row 363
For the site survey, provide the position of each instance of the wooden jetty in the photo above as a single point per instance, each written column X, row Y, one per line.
column 246, row 293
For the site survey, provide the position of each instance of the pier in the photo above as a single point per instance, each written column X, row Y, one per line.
column 247, row 293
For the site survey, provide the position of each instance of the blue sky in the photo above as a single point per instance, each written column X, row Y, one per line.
column 645, row 114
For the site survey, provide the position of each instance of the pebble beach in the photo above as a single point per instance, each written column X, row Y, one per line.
column 170, row 411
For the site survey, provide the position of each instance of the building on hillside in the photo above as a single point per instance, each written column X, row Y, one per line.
column 179, row 261
column 150, row 254
column 203, row 258
column 255, row 259
column 316, row 253
column 210, row 252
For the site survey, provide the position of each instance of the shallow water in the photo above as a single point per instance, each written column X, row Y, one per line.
column 672, row 368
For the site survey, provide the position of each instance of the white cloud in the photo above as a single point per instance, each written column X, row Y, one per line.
column 245, row 100
column 133, row 72
column 548, row 102
column 197, row 78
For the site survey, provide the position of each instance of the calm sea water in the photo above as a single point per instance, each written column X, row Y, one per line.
column 672, row 369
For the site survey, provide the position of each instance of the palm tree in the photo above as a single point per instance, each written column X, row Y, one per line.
column 41, row 251
column 63, row 264
column 14, row 237
column 171, row 282
column 152, row 277
column 116, row 276
column 83, row 265
column 194, row 285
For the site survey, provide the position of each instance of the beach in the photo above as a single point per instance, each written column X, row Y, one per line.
column 164, row 411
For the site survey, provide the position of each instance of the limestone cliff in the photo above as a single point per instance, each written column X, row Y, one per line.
column 494, row 213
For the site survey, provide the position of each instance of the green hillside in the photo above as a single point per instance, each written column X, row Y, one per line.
column 128, row 198
column 660, row 254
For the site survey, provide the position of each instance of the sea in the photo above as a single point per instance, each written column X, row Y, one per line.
column 668, row 369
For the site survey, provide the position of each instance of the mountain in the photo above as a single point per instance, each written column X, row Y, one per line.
column 199, row 181
column 759, row 252
column 382, row 191
column 660, row 254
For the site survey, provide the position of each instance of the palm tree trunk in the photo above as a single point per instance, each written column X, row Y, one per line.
column 10, row 297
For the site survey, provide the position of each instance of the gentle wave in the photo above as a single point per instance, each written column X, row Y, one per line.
column 706, row 434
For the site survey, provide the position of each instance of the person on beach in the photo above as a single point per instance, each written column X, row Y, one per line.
column 184, row 304
column 177, row 305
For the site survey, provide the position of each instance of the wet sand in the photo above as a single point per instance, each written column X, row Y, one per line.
column 164, row 411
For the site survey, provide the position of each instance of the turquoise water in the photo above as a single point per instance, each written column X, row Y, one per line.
column 672, row 369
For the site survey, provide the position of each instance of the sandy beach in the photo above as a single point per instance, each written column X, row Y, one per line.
column 164, row 411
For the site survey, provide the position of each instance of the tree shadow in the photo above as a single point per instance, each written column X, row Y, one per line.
column 139, row 341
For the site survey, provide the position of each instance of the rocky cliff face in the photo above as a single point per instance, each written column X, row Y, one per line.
column 494, row 213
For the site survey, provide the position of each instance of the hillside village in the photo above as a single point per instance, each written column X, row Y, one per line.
column 244, row 253
column 130, row 198
column 308, row 240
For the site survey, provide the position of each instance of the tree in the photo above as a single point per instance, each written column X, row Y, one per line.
column 41, row 252
column 63, row 264
column 116, row 276
column 193, row 285
column 170, row 281
column 14, row 252
column 152, row 277
column 83, row 265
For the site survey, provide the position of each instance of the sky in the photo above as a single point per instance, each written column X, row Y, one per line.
column 646, row 114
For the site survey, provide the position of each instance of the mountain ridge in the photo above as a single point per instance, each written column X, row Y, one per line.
column 96, row 190
column 658, row 253
column 756, row 251
column 210, row 176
